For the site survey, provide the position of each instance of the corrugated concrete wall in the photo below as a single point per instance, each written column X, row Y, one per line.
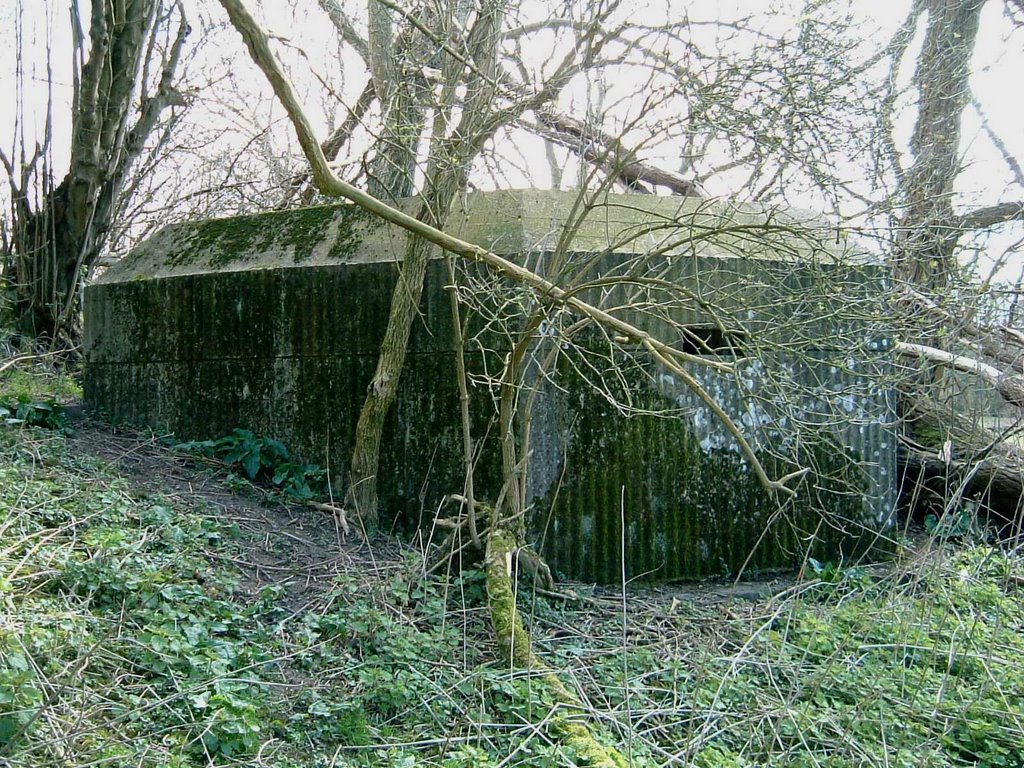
column 272, row 323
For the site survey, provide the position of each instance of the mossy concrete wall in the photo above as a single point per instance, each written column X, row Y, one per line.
column 273, row 323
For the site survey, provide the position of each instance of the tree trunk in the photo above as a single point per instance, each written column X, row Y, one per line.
column 46, row 258
column 447, row 182
column 56, row 243
column 446, row 175
column 405, row 302
column 929, row 226
column 926, row 248
column 569, row 721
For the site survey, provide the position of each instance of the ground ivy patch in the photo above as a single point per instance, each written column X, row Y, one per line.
column 126, row 639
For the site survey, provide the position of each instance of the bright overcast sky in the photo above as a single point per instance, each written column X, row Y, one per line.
column 997, row 68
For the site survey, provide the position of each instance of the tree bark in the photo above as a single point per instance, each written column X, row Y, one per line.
column 56, row 242
column 446, row 172
column 929, row 226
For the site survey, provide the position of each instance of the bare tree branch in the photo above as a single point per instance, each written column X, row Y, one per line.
column 895, row 50
column 1008, row 158
column 546, row 291
column 332, row 145
column 993, row 215
column 153, row 106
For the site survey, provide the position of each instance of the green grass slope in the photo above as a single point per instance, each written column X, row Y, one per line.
column 133, row 633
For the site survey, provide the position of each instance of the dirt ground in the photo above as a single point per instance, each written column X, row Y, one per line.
column 293, row 546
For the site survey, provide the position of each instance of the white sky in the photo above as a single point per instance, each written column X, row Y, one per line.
column 997, row 69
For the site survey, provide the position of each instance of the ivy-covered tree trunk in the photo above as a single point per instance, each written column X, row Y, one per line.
column 929, row 228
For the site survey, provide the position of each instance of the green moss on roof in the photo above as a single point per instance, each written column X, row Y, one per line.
column 221, row 242
column 350, row 236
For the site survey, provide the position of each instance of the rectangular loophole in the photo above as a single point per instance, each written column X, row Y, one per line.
column 712, row 340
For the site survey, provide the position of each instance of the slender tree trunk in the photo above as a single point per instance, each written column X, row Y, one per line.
column 405, row 302
column 446, row 175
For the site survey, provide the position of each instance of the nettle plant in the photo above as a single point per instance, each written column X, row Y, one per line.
column 263, row 459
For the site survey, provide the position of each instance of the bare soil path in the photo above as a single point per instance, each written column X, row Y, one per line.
column 290, row 546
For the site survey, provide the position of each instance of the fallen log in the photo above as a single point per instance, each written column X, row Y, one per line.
column 947, row 456
column 1009, row 386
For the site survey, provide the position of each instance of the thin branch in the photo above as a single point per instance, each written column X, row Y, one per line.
column 9, row 167
column 896, row 50
column 1001, row 349
column 997, row 140
column 153, row 106
column 10, row 363
column 546, row 291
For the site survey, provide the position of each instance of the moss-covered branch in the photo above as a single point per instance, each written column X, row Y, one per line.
column 570, row 727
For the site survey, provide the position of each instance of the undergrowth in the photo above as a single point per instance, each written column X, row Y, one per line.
column 263, row 458
column 126, row 640
column 36, row 399
column 921, row 668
